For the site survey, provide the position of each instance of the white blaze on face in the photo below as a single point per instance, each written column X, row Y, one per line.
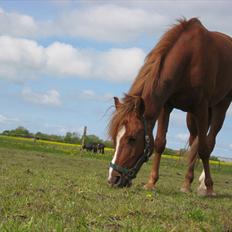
column 120, row 134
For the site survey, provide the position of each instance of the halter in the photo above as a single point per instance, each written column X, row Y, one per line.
column 131, row 173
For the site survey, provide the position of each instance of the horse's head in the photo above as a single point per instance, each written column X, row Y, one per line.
column 128, row 129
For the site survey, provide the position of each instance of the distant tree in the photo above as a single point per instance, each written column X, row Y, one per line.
column 20, row 132
column 93, row 139
column 6, row 132
column 57, row 138
column 72, row 137
column 182, row 151
column 68, row 137
column 214, row 158
column 108, row 143
column 38, row 135
column 76, row 138
column 43, row 136
column 170, row 151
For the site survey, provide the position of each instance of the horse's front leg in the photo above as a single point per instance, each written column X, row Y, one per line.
column 159, row 146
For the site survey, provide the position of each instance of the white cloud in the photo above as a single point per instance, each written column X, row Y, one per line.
column 119, row 21
column 230, row 146
column 15, row 24
column 91, row 95
column 215, row 15
column 63, row 59
column 22, row 59
column 3, row 119
column 178, row 117
column 119, row 64
column 182, row 137
column 50, row 98
column 6, row 120
column 112, row 23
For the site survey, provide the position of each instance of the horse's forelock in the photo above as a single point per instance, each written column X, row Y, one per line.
column 119, row 116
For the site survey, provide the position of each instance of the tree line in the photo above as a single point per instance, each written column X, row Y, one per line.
column 69, row 137
column 75, row 138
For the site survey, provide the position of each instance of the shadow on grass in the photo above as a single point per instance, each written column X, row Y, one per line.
column 223, row 196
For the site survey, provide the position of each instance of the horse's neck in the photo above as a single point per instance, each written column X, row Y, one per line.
column 153, row 105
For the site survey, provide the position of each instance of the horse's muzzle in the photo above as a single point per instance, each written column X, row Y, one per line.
column 119, row 181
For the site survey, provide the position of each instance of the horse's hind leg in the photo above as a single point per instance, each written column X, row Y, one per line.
column 193, row 151
column 192, row 156
column 217, row 119
column 159, row 146
column 204, row 149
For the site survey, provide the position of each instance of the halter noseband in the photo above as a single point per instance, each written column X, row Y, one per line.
column 131, row 173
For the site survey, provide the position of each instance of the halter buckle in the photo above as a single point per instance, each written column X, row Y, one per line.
column 147, row 139
column 131, row 173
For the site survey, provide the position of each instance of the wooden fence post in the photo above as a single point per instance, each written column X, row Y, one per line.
column 83, row 137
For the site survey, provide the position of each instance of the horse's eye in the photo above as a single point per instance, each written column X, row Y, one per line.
column 131, row 139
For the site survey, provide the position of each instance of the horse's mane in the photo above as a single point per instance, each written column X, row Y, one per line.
column 148, row 75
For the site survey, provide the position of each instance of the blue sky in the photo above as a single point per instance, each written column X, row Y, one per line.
column 61, row 62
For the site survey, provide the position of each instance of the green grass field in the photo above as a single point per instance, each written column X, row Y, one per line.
column 55, row 187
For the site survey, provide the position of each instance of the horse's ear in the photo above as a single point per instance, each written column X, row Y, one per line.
column 117, row 103
column 139, row 105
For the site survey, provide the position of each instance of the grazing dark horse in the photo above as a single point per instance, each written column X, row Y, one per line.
column 90, row 147
column 190, row 69
column 94, row 147
column 101, row 148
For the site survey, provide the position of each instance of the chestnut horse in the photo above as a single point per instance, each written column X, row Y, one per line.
column 189, row 69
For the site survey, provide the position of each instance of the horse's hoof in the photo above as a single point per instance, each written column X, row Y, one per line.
column 202, row 191
column 206, row 193
column 149, row 186
column 211, row 194
column 185, row 190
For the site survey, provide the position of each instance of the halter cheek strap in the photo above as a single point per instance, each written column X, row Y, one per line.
column 131, row 173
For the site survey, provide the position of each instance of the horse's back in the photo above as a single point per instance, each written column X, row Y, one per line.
column 223, row 81
column 211, row 62
column 202, row 63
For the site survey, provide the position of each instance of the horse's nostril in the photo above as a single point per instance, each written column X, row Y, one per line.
column 117, row 179
column 114, row 180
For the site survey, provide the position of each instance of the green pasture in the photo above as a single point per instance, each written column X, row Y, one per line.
column 56, row 187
